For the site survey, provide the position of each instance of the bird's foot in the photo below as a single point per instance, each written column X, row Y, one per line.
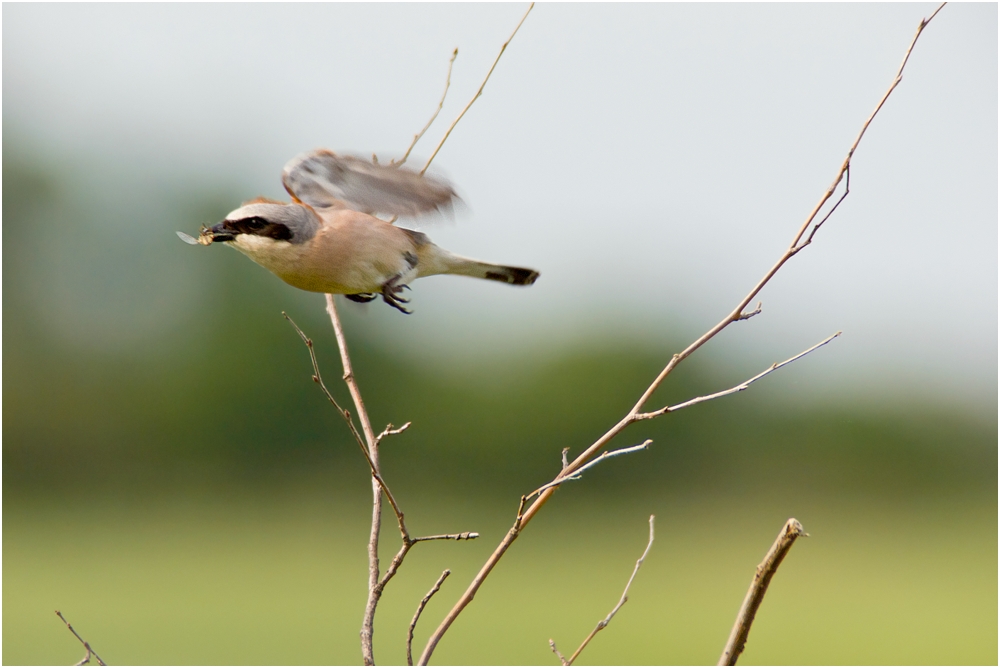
column 362, row 297
column 391, row 290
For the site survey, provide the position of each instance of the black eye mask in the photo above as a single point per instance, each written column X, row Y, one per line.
column 259, row 227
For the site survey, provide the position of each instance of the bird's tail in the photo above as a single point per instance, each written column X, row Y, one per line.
column 497, row 272
column 432, row 260
column 463, row 266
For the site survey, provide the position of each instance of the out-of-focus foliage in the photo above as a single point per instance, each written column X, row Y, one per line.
column 176, row 484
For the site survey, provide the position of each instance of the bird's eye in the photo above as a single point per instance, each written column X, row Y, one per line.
column 256, row 223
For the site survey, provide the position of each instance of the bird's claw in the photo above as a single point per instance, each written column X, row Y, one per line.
column 390, row 295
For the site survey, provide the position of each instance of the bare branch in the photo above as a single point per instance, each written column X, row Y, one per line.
column 374, row 590
column 733, row 390
column 465, row 535
column 369, row 448
column 524, row 515
column 555, row 650
column 318, row 379
column 560, row 479
column 86, row 645
column 416, row 137
column 389, row 431
column 746, row 315
column 601, row 625
column 758, row 587
column 478, row 93
column 421, row 605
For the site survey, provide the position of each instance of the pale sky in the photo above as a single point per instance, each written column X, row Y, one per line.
column 651, row 160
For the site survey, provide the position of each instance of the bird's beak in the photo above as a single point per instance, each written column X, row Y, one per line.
column 208, row 235
column 215, row 233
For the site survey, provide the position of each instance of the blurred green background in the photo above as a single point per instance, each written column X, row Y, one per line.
column 175, row 483
column 198, row 501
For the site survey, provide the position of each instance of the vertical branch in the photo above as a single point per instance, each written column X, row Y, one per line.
column 374, row 591
column 758, row 587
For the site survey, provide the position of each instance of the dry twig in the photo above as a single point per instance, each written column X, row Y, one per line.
column 758, row 587
column 416, row 615
column 370, row 444
column 416, row 137
column 86, row 645
column 376, row 584
column 601, row 625
column 369, row 448
column 810, row 227
column 478, row 92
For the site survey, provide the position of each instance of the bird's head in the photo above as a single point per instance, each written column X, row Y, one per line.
column 260, row 224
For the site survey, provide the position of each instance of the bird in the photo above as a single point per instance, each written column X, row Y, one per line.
column 328, row 239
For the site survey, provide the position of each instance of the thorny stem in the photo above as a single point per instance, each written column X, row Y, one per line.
column 633, row 415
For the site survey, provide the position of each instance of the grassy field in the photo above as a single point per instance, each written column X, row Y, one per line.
column 276, row 575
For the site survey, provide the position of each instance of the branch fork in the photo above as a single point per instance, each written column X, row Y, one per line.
column 799, row 242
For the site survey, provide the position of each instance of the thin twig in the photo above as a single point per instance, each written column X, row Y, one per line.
column 421, row 605
column 601, row 625
column 465, row 535
column 560, row 479
column 524, row 516
column 416, row 137
column 733, row 390
column 318, row 379
column 478, row 93
column 758, row 587
column 86, row 645
column 555, row 650
column 746, row 315
column 389, row 431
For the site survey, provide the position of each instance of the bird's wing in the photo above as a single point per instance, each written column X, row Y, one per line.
column 324, row 179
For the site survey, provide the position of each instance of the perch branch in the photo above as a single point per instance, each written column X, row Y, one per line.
column 374, row 590
column 420, row 609
column 524, row 516
column 369, row 448
column 758, row 587
column 416, row 137
column 86, row 645
column 601, row 625
column 478, row 92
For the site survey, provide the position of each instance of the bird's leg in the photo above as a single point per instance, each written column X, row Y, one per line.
column 390, row 294
column 362, row 297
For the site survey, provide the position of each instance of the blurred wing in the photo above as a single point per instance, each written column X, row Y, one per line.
column 324, row 179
